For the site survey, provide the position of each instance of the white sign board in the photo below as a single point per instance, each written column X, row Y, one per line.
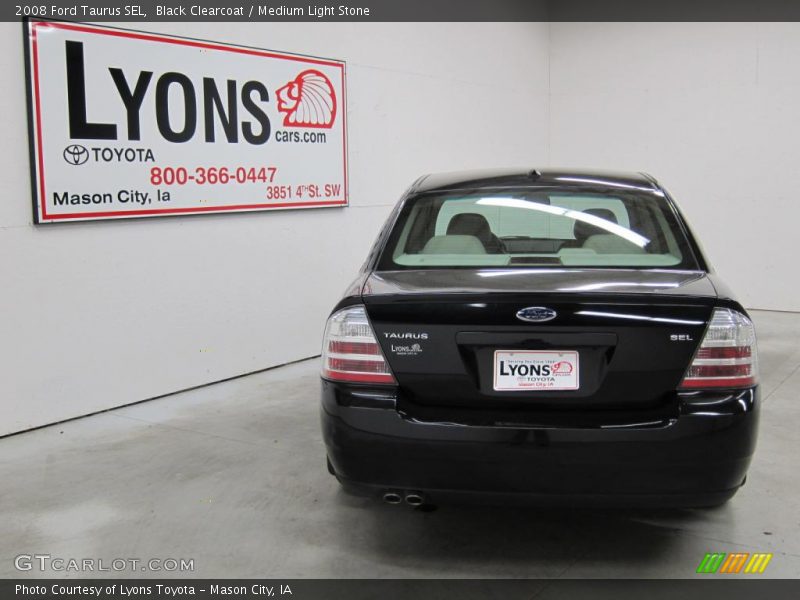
column 127, row 124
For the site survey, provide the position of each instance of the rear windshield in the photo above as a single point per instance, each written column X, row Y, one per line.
column 537, row 228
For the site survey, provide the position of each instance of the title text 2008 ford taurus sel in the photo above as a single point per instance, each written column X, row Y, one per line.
column 534, row 336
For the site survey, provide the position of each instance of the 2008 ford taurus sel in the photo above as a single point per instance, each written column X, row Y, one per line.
column 539, row 336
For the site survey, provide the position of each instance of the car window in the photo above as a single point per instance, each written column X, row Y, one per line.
column 512, row 221
column 537, row 227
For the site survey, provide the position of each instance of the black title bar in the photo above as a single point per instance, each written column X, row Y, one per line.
column 702, row 588
column 403, row 10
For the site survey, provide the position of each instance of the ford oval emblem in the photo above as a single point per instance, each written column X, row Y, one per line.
column 536, row 314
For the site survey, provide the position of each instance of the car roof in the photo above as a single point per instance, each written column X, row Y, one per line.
column 498, row 178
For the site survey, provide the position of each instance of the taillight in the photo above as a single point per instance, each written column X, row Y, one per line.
column 350, row 351
column 727, row 356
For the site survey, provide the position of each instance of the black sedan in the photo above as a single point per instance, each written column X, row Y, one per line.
column 539, row 336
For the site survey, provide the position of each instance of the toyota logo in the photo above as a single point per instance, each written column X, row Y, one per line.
column 536, row 314
column 76, row 154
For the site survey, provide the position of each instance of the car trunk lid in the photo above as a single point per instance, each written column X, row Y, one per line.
column 629, row 333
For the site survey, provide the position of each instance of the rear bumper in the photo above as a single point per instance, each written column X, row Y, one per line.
column 699, row 458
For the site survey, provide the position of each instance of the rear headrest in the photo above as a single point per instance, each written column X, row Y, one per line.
column 474, row 224
column 582, row 230
column 454, row 244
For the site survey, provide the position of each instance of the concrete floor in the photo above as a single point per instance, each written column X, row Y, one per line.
column 233, row 476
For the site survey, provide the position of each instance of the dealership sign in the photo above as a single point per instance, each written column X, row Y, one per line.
column 127, row 124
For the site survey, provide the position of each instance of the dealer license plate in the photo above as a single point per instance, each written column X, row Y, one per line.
column 535, row 370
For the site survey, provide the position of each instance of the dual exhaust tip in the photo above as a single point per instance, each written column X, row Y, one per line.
column 411, row 498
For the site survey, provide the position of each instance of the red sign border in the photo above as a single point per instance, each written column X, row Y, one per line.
column 38, row 180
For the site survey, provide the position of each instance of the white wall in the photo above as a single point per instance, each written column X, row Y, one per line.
column 95, row 315
column 711, row 110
